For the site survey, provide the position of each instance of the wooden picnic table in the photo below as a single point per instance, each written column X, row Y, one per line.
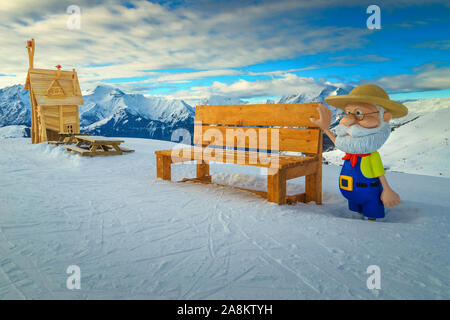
column 97, row 146
column 67, row 138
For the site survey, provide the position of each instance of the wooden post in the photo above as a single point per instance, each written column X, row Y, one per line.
column 30, row 48
column 163, row 167
column 319, row 183
column 313, row 182
column 34, row 132
column 203, row 170
column 313, row 186
column 276, row 186
column 61, row 119
column 74, row 82
column 41, row 126
column 34, row 117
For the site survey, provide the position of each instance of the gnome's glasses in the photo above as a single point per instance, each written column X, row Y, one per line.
column 359, row 115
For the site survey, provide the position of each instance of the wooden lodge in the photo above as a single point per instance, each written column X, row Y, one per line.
column 55, row 96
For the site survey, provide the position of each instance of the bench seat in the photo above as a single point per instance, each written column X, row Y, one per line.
column 86, row 152
column 234, row 157
column 82, row 151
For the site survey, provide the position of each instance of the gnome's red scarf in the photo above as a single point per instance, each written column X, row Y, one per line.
column 354, row 157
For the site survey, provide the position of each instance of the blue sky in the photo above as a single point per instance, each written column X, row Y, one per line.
column 242, row 49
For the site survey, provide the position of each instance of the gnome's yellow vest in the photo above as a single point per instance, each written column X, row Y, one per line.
column 371, row 166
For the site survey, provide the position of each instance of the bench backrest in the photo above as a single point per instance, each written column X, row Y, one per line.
column 283, row 127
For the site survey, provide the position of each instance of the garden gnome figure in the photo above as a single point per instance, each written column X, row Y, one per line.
column 363, row 129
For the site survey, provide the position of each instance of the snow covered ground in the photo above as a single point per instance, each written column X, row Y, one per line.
column 13, row 131
column 134, row 236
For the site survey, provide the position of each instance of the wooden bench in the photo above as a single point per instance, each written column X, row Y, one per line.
column 97, row 146
column 256, row 135
column 67, row 138
column 81, row 151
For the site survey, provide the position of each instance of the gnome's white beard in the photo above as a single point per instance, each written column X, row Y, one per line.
column 361, row 140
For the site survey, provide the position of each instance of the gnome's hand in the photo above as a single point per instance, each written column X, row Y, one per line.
column 324, row 121
column 390, row 198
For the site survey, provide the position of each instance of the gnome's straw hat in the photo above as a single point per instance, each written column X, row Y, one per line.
column 369, row 93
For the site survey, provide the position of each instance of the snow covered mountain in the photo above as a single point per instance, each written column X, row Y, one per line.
column 220, row 100
column 315, row 95
column 14, row 106
column 109, row 111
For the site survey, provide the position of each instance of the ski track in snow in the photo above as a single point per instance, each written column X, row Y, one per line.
column 134, row 236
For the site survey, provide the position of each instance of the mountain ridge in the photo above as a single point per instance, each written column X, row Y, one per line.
column 109, row 111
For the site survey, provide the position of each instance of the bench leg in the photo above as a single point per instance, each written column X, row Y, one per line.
column 276, row 186
column 163, row 167
column 313, row 186
column 203, row 171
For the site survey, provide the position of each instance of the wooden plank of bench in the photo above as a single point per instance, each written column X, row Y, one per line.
column 99, row 139
column 302, row 170
column 98, row 149
column 313, row 181
column 287, row 139
column 234, row 157
column 85, row 152
column 284, row 115
column 77, row 149
column 106, row 153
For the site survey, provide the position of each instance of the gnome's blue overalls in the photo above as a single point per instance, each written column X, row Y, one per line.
column 363, row 193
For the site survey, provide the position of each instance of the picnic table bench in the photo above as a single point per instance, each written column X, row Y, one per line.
column 256, row 135
column 97, row 146
column 67, row 138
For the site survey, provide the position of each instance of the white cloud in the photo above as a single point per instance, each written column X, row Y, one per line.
column 6, row 81
column 427, row 77
column 151, row 37
column 436, row 44
column 366, row 57
column 215, row 37
column 185, row 76
column 286, row 84
column 281, row 72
